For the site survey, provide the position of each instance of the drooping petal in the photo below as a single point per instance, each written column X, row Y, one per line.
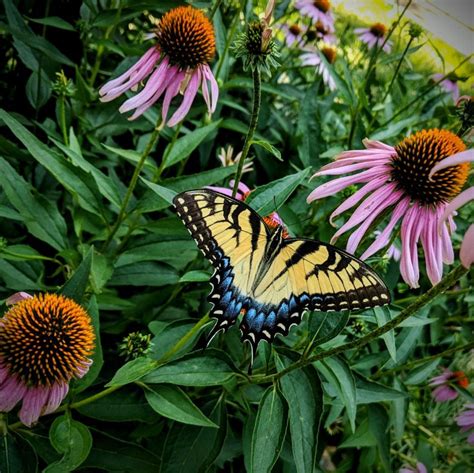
column 12, row 392
column 171, row 92
column 331, row 187
column 432, row 247
column 384, row 238
column 341, row 169
column 188, row 98
column 56, row 395
column 409, row 254
column 17, row 297
column 208, row 76
column 33, row 404
column 152, row 85
column 444, row 393
column 466, row 253
column 453, row 160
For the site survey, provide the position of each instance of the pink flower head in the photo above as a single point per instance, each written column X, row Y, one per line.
column 313, row 58
column 449, row 84
column 294, row 34
column 178, row 63
column 420, row 468
column 374, row 36
column 317, row 10
column 444, row 391
column 466, row 421
column 466, row 253
column 55, row 338
column 272, row 221
column 396, row 180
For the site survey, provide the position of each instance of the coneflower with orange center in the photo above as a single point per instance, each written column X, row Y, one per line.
column 185, row 43
column 374, row 36
column 45, row 341
column 399, row 181
column 318, row 11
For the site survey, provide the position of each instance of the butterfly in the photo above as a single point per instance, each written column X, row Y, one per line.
column 269, row 279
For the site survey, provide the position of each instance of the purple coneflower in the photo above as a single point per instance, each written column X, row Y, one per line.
column 466, row 421
column 397, row 179
column 313, row 58
column 243, row 191
column 317, row 10
column 420, row 468
column 449, row 84
column 177, row 63
column 45, row 342
column 294, row 34
column 374, row 36
column 443, row 382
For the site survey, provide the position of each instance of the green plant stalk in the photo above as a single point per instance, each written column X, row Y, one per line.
column 161, row 167
column 426, row 90
column 397, row 70
column 30, row 257
column 420, row 302
column 257, row 97
column 62, row 118
column 426, row 359
column 131, row 187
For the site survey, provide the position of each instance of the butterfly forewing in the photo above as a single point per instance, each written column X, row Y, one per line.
column 271, row 287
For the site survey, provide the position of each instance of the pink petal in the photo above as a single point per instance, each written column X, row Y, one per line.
column 444, row 393
column 432, row 247
column 33, row 403
column 153, row 84
column 384, row 238
column 171, row 92
column 331, row 187
column 17, row 297
column 12, row 392
column 375, row 144
column 341, row 169
column 466, row 254
column 209, row 76
column 188, row 99
column 56, row 395
column 409, row 259
column 357, row 196
column 421, row 468
column 453, row 160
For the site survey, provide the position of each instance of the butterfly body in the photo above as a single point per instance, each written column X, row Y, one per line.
column 270, row 279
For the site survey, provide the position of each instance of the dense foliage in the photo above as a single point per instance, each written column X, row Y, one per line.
column 74, row 218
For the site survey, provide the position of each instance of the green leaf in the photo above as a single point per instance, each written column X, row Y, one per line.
column 362, row 437
column 195, row 276
column 97, row 356
column 268, row 198
column 303, row 392
column 423, row 372
column 378, row 425
column 76, row 286
column 54, row 21
column 210, row 368
column 269, row 431
column 76, row 181
column 184, row 146
column 132, row 371
column 382, row 315
column 199, row 180
column 144, row 274
column 125, row 405
column 398, row 413
column 73, row 440
column 339, row 374
column 194, row 449
column 41, row 217
column 324, row 326
column 17, row 455
column 173, row 402
column 38, row 89
column 167, row 195
column 369, row 392
column 269, row 147
column 132, row 156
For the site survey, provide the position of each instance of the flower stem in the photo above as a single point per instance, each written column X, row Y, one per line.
column 257, row 96
column 420, row 302
column 62, row 111
column 131, row 187
column 407, row 47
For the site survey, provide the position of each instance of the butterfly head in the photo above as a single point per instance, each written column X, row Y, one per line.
column 275, row 223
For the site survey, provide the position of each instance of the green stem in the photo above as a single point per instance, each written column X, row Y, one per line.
column 167, row 152
column 399, row 65
column 131, row 187
column 257, row 97
column 420, row 302
column 426, row 359
column 426, row 90
column 29, row 257
column 62, row 118
column 215, row 7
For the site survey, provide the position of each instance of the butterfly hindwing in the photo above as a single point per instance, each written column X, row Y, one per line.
column 270, row 280
column 232, row 237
